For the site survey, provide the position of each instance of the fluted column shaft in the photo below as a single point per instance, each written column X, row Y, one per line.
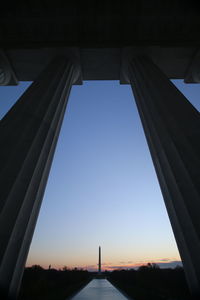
column 172, row 129
column 29, row 134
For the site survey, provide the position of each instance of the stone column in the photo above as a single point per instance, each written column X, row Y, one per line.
column 29, row 134
column 172, row 129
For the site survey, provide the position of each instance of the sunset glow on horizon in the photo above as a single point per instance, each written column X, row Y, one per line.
column 163, row 263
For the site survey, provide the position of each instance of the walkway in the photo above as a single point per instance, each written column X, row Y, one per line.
column 99, row 289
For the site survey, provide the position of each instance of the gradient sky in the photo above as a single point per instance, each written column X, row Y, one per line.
column 102, row 188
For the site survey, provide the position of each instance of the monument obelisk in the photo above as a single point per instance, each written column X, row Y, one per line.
column 99, row 272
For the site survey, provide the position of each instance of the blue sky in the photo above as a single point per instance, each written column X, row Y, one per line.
column 102, row 189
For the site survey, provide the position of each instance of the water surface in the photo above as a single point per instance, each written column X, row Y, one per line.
column 99, row 289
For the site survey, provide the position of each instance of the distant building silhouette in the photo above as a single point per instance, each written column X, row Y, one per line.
column 99, row 261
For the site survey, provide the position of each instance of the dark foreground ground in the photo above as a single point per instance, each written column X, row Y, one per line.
column 51, row 284
column 152, row 283
column 147, row 283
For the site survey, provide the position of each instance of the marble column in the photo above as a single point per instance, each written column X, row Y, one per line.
column 29, row 134
column 172, row 129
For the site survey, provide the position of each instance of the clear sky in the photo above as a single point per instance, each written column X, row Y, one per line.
column 102, row 189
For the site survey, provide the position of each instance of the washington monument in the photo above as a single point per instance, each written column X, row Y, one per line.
column 99, row 272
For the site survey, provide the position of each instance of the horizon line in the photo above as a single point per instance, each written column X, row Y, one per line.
column 108, row 267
